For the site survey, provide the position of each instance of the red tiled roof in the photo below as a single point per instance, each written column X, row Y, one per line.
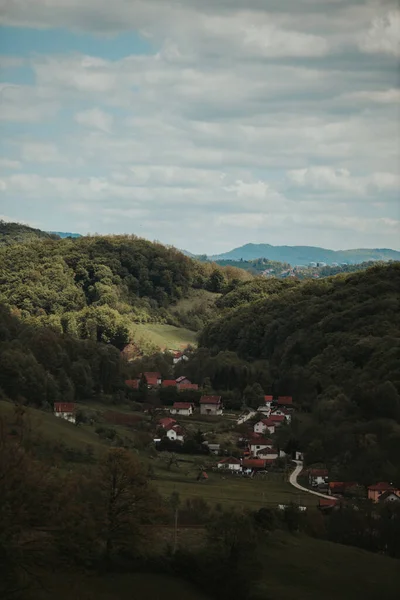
column 229, row 461
column 210, row 399
column 327, row 501
column 276, row 419
column 182, row 405
column 318, row 472
column 152, row 380
column 253, row 463
column 169, row 383
column 187, row 386
column 285, row 400
column 65, row 407
column 181, row 378
column 268, row 398
column 338, row 487
column 177, row 428
column 166, row 421
column 133, row 383
column 382, row 486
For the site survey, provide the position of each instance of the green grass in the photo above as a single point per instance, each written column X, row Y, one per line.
column 164, row 336
column 71, row 585
column 196, row 298
column 309, row 569
column 228, row 490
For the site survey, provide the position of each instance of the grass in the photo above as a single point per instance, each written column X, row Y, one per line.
column 164, row 336
column 67, row 585
column 310, row 569
column 228, row 490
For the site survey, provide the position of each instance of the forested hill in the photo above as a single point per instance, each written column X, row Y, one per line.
column 302, row 255
column 96, row 287
column 15, row 233
column 334, row 344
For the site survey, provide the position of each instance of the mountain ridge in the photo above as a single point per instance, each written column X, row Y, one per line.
column 300, row 255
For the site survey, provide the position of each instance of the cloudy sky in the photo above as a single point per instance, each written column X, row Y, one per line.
column 204, row 124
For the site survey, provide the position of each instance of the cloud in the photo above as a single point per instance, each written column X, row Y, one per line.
column 383, row 36
column 7, row 164
column 95, row 118
column 40, row 152
column 11, row 62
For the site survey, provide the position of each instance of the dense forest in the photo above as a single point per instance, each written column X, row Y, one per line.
column 14, row 233
column 334, row 345
column 95, row 287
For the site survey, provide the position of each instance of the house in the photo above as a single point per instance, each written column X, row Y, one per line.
column 257, row 444
column 389, row 496
column 183, row 387
column 231, row 463
column 166, row 422
column 327, row 504
column 182, row 379
column 169, row 383
column 340, row 487
column 213, row 448
column 376, row 491
column 277, row 420
column 281, row 412
column 179, row 357
column 267, row 453
column 132, row 383
column 317, row 477
column 268, row 400
column 298, row 455
column 153, row 378
column 65, row 410
column 253, row 464
column 263, row 426
column 211, row 405
column 181, row 408
column 264, row 409
column 176, row 433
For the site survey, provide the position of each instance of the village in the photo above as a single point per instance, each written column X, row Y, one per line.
column 237, row 445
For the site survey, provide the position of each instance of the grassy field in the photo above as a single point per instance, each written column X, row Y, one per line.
column 72, row 585
column 308, row 569
column 163, row 336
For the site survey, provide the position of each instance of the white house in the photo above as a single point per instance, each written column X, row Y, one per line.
column 231, row 463
column 181, row 408
column 279, row 412
column 211, row 405
column 65, row 410
column 263, row 426
column 264, row 409
column 259, row 444
column 176, row 433
column 179, row 357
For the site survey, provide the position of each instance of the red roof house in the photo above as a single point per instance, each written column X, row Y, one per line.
column 169, row 383
column 268, row 398
column 182, row 408
column 253, row 463
column 276, row 419
column 210, row 405
column 65, row 410
column 231, row 463
column 182, row 379
column 166, row 422
column 375, row 491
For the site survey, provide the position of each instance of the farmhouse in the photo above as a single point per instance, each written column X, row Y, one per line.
column 169, row 383
column 281, row 412
column 254, row 464
column 257, row 444
column 264, row 425
column 182, row 379
column 317, row 477
column 265, row 408
column 176, row 433
column 153, row 379
column 389, row 496
column 377, row 490
column 166, row 422
column 231, row 463
column 211, row 405
column 179, row 357
column 277, row 420
column 181, row 408
column 65, row 410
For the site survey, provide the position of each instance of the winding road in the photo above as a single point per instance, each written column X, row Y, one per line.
column 293, row 481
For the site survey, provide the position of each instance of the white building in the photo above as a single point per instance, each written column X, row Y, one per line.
column 263, row 426
column 181, row 408
column 65, row 410
column 231, row 463
column 176, row 434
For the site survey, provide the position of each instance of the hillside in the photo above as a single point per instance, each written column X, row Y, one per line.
column 96, row 287
column 303, row 255
column 16, row 233
column 334, row 345
column 64, row 234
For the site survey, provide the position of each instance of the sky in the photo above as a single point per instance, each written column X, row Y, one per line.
column 204, row 124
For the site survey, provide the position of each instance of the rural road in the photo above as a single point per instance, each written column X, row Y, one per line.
column 293, row 481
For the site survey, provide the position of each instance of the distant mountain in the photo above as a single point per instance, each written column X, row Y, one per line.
column 63, row 234
column 15, row 233
column 303, row 255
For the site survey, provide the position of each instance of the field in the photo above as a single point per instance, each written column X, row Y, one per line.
column 308, row 569
column 80, row 586
column 163, row 336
